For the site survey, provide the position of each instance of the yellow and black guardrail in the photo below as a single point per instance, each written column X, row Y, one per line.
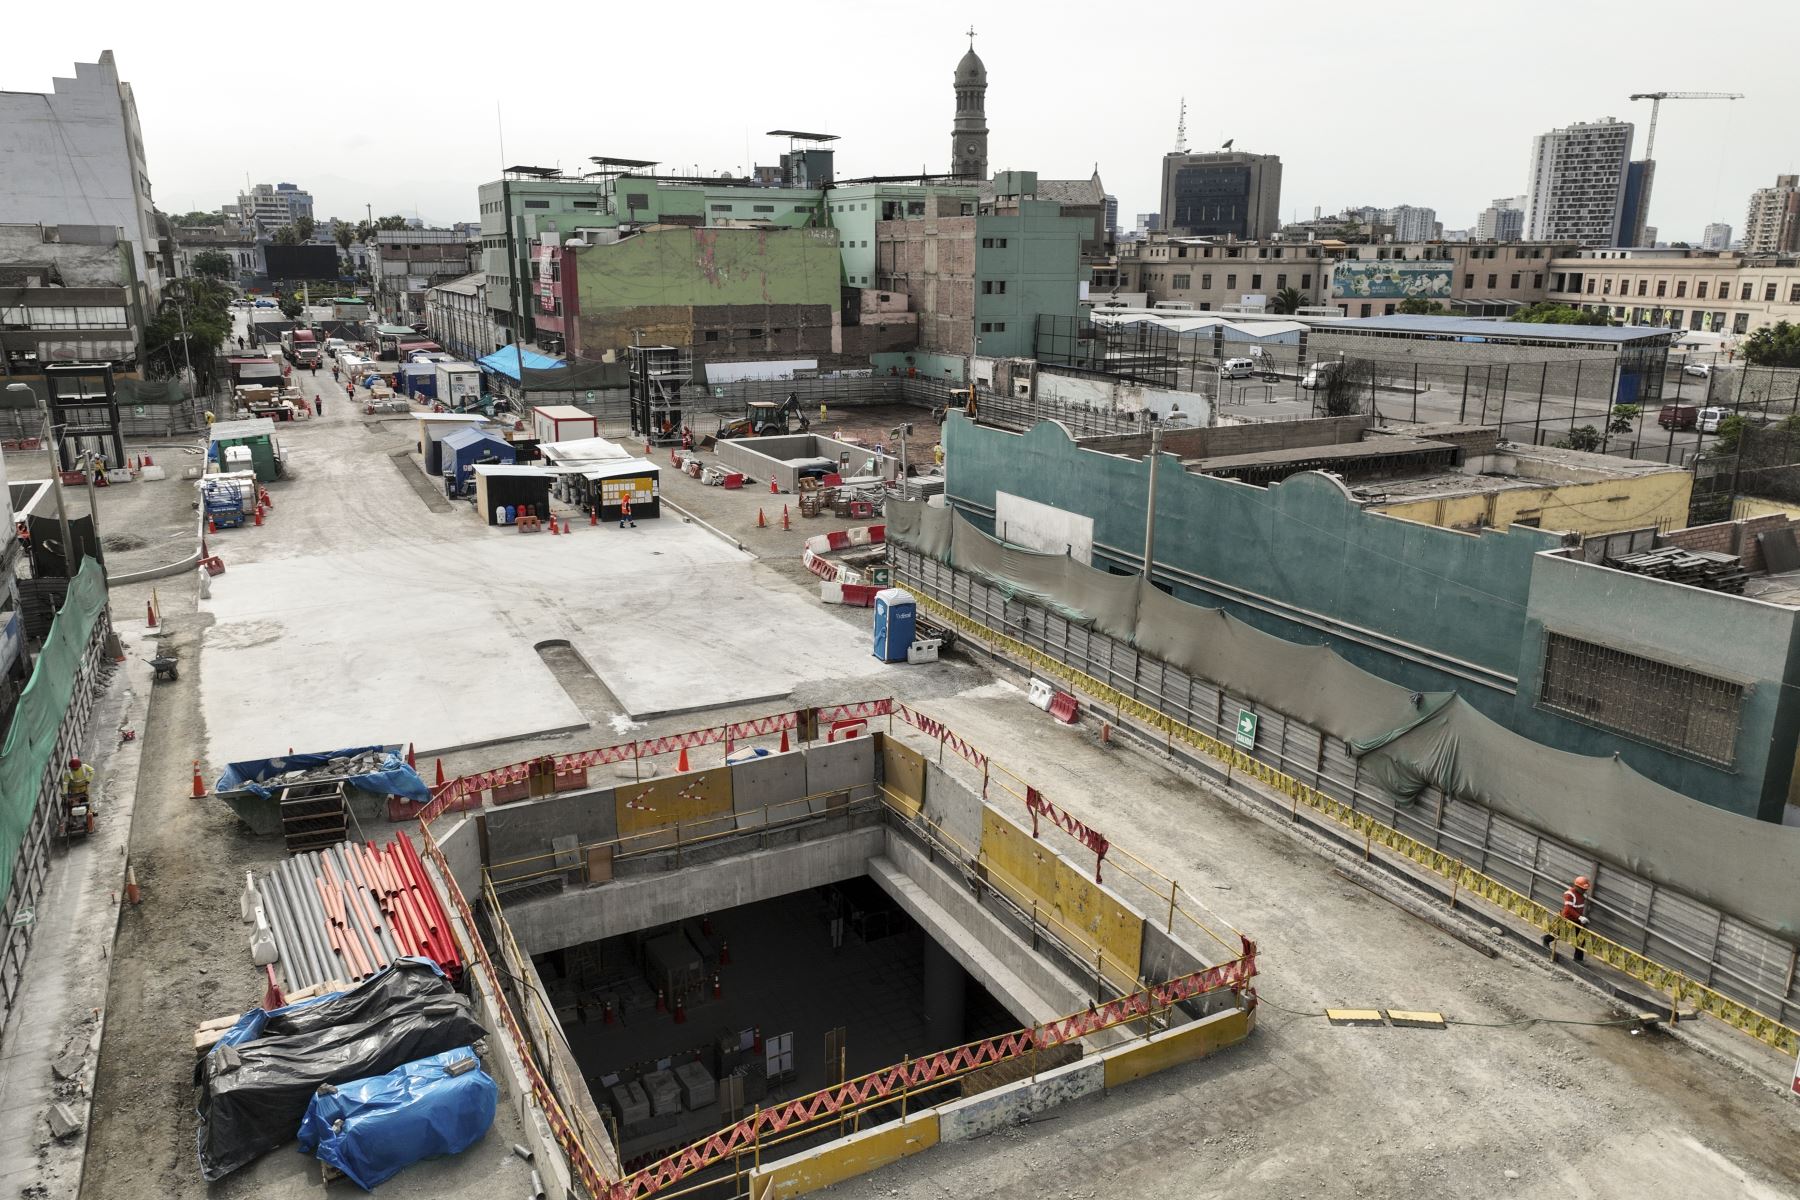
column 1463, row 879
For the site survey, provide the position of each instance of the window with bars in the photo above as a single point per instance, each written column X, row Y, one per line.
column 1650, row 701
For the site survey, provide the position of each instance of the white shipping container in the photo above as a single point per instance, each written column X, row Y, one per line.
column 458, row 383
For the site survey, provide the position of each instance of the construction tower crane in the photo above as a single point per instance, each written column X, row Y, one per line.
column 1656, row 99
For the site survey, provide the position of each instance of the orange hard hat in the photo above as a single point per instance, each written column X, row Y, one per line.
column 1581, row 881
column 74, row 764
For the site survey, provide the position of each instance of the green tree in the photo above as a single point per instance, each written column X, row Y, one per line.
column 1548, row 312
column 286, row 236
column 1775, row 345
column 1419, row 306
column 304, row 226
column 393, row 222
column 344, row 234
column 1585, row 438
column 1624, row 418
column 213, row 264
column 290, row 308
column 191, row 326
column 191, row 219
column 1346, row 387
column 1287, row 300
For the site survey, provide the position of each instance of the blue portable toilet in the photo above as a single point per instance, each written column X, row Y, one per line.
column 896, row 612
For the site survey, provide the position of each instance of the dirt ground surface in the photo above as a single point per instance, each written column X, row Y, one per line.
column 1538, row 1090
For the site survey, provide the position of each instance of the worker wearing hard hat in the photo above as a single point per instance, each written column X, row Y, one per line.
column 77, row 781
column 1574, row 909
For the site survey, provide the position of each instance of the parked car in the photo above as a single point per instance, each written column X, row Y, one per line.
column 1678, row 416
column 1318, row 375
column 1712, row 417
column 1237, row 368
column 265, row 304
column 1698, row 370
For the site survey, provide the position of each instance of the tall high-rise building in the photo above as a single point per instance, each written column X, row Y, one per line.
column 1502, row 221
column 1718, row 237
column 1227, row 193
column 1412, row 224
column 1772, row 225
column 1640, row 177
column 75, row 157
column 1578, row 176
column 273, row 205
column 969, row 132
column 1112, row 217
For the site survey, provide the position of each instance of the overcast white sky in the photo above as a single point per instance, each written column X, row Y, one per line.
column 1405, row 102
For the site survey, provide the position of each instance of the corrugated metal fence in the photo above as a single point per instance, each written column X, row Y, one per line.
column 1736, row 959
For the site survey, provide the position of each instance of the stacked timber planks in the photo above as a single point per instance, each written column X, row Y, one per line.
column 344, row 912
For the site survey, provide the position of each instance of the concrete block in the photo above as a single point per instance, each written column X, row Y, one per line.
column 1354, row 1016
column 839, row 765
column 697, row 1087
column 989, row 1112
column 1402, row 1018
column 630, row 1102
column 69, row 1065
column 63, row 1121
column 664, row 1093
column 771, row 781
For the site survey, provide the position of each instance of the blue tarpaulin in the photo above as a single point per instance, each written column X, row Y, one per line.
column 506, row 362
column 371, row 1129
column 393, row 778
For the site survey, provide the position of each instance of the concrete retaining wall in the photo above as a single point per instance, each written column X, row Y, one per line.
column 524, row 830
column 953, row 808
column 771, row 781
column 461, row 847
column 845, row 1158
column 569, row 918
column 1173, row 1047
column 838, row 766
column 979, row 1115
column 765, row 458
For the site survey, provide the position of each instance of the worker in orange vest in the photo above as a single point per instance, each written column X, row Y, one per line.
column 1574, row 909
column 625, row 510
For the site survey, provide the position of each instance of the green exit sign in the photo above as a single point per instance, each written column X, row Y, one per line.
column 1246, row 729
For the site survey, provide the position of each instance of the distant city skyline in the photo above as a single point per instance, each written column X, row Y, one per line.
column 201, row 142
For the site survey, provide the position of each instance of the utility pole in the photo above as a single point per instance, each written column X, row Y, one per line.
column 1150, row 502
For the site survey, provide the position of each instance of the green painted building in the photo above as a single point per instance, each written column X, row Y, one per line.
column 1696, row 689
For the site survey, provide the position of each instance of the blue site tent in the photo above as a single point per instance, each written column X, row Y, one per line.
column 460, row 451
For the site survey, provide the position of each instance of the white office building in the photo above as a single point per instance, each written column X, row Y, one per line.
column 273, row 205
column 1412, row 224
column 1502, row 221
column 1577, row 179
column 1718, row 237
column 75, row 156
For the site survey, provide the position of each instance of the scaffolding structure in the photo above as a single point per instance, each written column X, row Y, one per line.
column 658, row 373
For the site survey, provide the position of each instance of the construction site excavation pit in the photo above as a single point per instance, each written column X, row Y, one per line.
column 761, row 977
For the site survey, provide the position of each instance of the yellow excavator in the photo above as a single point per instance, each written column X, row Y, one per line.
column 765, row 418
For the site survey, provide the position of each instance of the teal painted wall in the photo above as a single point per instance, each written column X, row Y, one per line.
column 1746, row 641
column 1428, row 608
column 1040, row 266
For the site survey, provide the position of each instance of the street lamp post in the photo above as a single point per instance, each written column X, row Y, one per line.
column 62, row 512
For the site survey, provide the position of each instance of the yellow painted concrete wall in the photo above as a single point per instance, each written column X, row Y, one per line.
column 1176, row 1046
column 1745, row 507
column 1086, row 912
column 853, row 1156
column 1604, row 506
column 903, row 774
column 662, row 803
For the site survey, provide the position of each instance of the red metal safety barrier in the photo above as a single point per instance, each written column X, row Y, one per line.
column 745, row 1134
column 1093, row 839
column 464, row 792
column 564, row 1131
column 931, row 727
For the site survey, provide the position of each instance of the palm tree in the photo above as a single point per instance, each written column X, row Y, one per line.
column 1287, row 300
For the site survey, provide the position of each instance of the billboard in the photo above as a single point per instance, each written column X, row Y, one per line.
column 302, row 263
column 1393, row 280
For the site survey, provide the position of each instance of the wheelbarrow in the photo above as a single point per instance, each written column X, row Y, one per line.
column 165, row 667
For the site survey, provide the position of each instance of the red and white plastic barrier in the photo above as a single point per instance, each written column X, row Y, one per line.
column 821, row 544
column 856, row 595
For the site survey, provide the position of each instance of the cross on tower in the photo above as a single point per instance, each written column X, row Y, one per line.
column 971, row 35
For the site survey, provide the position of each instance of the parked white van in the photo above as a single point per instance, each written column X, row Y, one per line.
column 1237, row 368
column 1318, row 375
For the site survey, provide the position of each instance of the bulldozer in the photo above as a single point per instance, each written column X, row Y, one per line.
column 765, row 418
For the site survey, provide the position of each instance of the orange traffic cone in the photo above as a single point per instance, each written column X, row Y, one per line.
column 784, row 517
column 440, row 773
column 680, row 1010
column 565, row 524
column 761, row 523
column 594, row 515
column 553, row 528
column 661, row 1004
column 717, row 990
column 682, row 765
column 131, row 887
column 259, row 516
column 410, row 760
column 147, row 461
column 210, row 527
column 199, row 785
column 724, row 953
column 784, row 742
column 150, row 614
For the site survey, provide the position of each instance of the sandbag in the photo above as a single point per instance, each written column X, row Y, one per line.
column 254, row 1094
column 371, row 1129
